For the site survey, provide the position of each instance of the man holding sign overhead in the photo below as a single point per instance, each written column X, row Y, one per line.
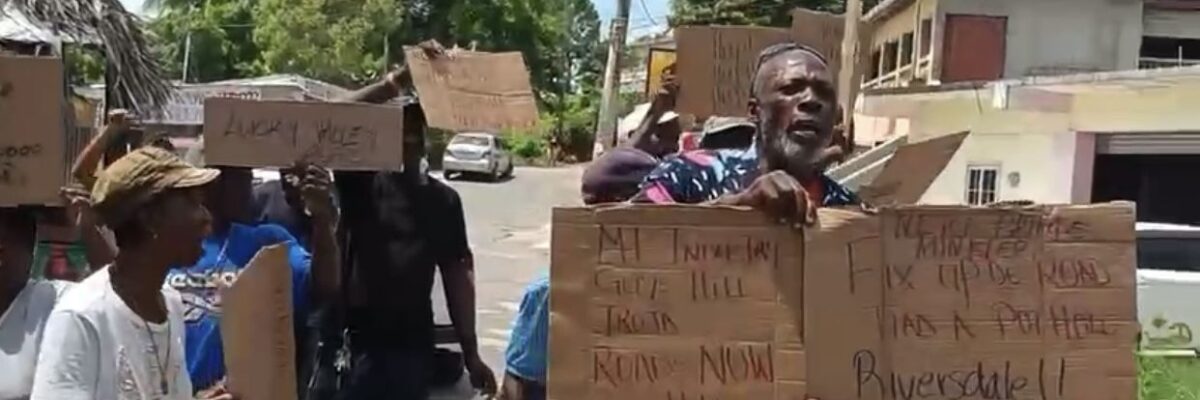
column 400, row 228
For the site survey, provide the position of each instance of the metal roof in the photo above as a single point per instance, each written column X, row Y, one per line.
column 311, row 87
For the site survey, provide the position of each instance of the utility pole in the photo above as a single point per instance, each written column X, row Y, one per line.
column 187, row 55
column 849, row 77
column 606, row 126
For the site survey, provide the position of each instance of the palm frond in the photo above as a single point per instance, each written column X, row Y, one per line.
column 137, row 79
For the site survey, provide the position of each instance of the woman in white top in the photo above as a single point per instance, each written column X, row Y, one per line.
column 119, row 334
column 24, row 305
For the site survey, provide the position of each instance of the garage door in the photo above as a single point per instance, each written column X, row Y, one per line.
column 1148, row 143
column 1170, row 23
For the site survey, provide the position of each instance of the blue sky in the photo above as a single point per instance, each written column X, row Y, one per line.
column 134, row 5
column 645, row 16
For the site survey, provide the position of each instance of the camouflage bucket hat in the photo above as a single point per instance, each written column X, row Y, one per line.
column 133, row 180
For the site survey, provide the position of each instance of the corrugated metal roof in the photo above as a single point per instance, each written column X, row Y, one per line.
column 311, row 87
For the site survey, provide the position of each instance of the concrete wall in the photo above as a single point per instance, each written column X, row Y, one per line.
column 1038, row 146
column 1045, row 36
column 926, row 116
column 1170, row 107
column 1031, row 168
column 1045, row 134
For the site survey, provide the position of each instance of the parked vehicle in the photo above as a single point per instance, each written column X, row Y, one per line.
column 1168, row 278
column 477, row 153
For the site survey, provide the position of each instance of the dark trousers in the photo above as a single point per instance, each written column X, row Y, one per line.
column 384, row 371
column 518, row 388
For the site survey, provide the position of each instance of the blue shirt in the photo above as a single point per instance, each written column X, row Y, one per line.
column 526, row 353
column 223, row 259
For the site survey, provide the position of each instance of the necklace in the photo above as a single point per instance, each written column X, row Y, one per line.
column 162, row 363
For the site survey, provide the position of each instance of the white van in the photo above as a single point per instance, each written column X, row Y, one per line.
column 1168, row 288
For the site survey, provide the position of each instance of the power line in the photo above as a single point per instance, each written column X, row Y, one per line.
column 646, row 11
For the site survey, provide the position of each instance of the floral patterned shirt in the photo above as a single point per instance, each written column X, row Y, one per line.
column 704, row 175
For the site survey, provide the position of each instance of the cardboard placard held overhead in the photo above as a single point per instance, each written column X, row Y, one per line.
column 344, row 136
column 474, row 91
column 32, row 130
column 657, row 62
column 823, row 32
column 257, row 330
column 681, row 302
column 972, row 303
column 718, row 65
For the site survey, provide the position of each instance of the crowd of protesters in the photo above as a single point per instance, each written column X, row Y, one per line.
column 164, row 233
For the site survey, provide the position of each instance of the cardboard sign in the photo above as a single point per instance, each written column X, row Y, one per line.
column 678, row 303
column 257, row 330
column 823, row 32
column 32, row 130
column 474, row 91
column 345, row 136
column 657, row 61
column 911, row 169
column 718, row 66
column 960, row 303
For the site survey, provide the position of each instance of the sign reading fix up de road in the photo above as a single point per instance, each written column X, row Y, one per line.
column 910, row 303
column 958, row 303
column 474, row 91
column 32, row 130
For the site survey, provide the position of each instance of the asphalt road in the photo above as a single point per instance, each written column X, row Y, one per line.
column 508, row 225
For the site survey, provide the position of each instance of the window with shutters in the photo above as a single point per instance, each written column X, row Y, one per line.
column 982, row 184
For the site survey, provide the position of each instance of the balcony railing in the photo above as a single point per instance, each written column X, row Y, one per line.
column 1155, row 63
column 901, row 76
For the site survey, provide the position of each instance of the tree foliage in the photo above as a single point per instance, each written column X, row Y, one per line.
column 339, row 41
column 351, row 42
column 749, row 12
column 221, row 38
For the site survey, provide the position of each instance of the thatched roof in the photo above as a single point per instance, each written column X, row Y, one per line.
column 137, row 79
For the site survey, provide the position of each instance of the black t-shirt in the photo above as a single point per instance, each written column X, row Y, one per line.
column 398, row 233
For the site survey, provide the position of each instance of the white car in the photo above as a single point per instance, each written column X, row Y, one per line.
column 1168, row 279
column 479, row 153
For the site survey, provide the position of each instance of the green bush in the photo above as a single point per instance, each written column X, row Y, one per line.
column 528, row 146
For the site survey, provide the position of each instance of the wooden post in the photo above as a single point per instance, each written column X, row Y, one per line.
column 849, row 77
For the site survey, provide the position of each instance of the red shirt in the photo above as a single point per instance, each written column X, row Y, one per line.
column 689, row 141
column 815, row 190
